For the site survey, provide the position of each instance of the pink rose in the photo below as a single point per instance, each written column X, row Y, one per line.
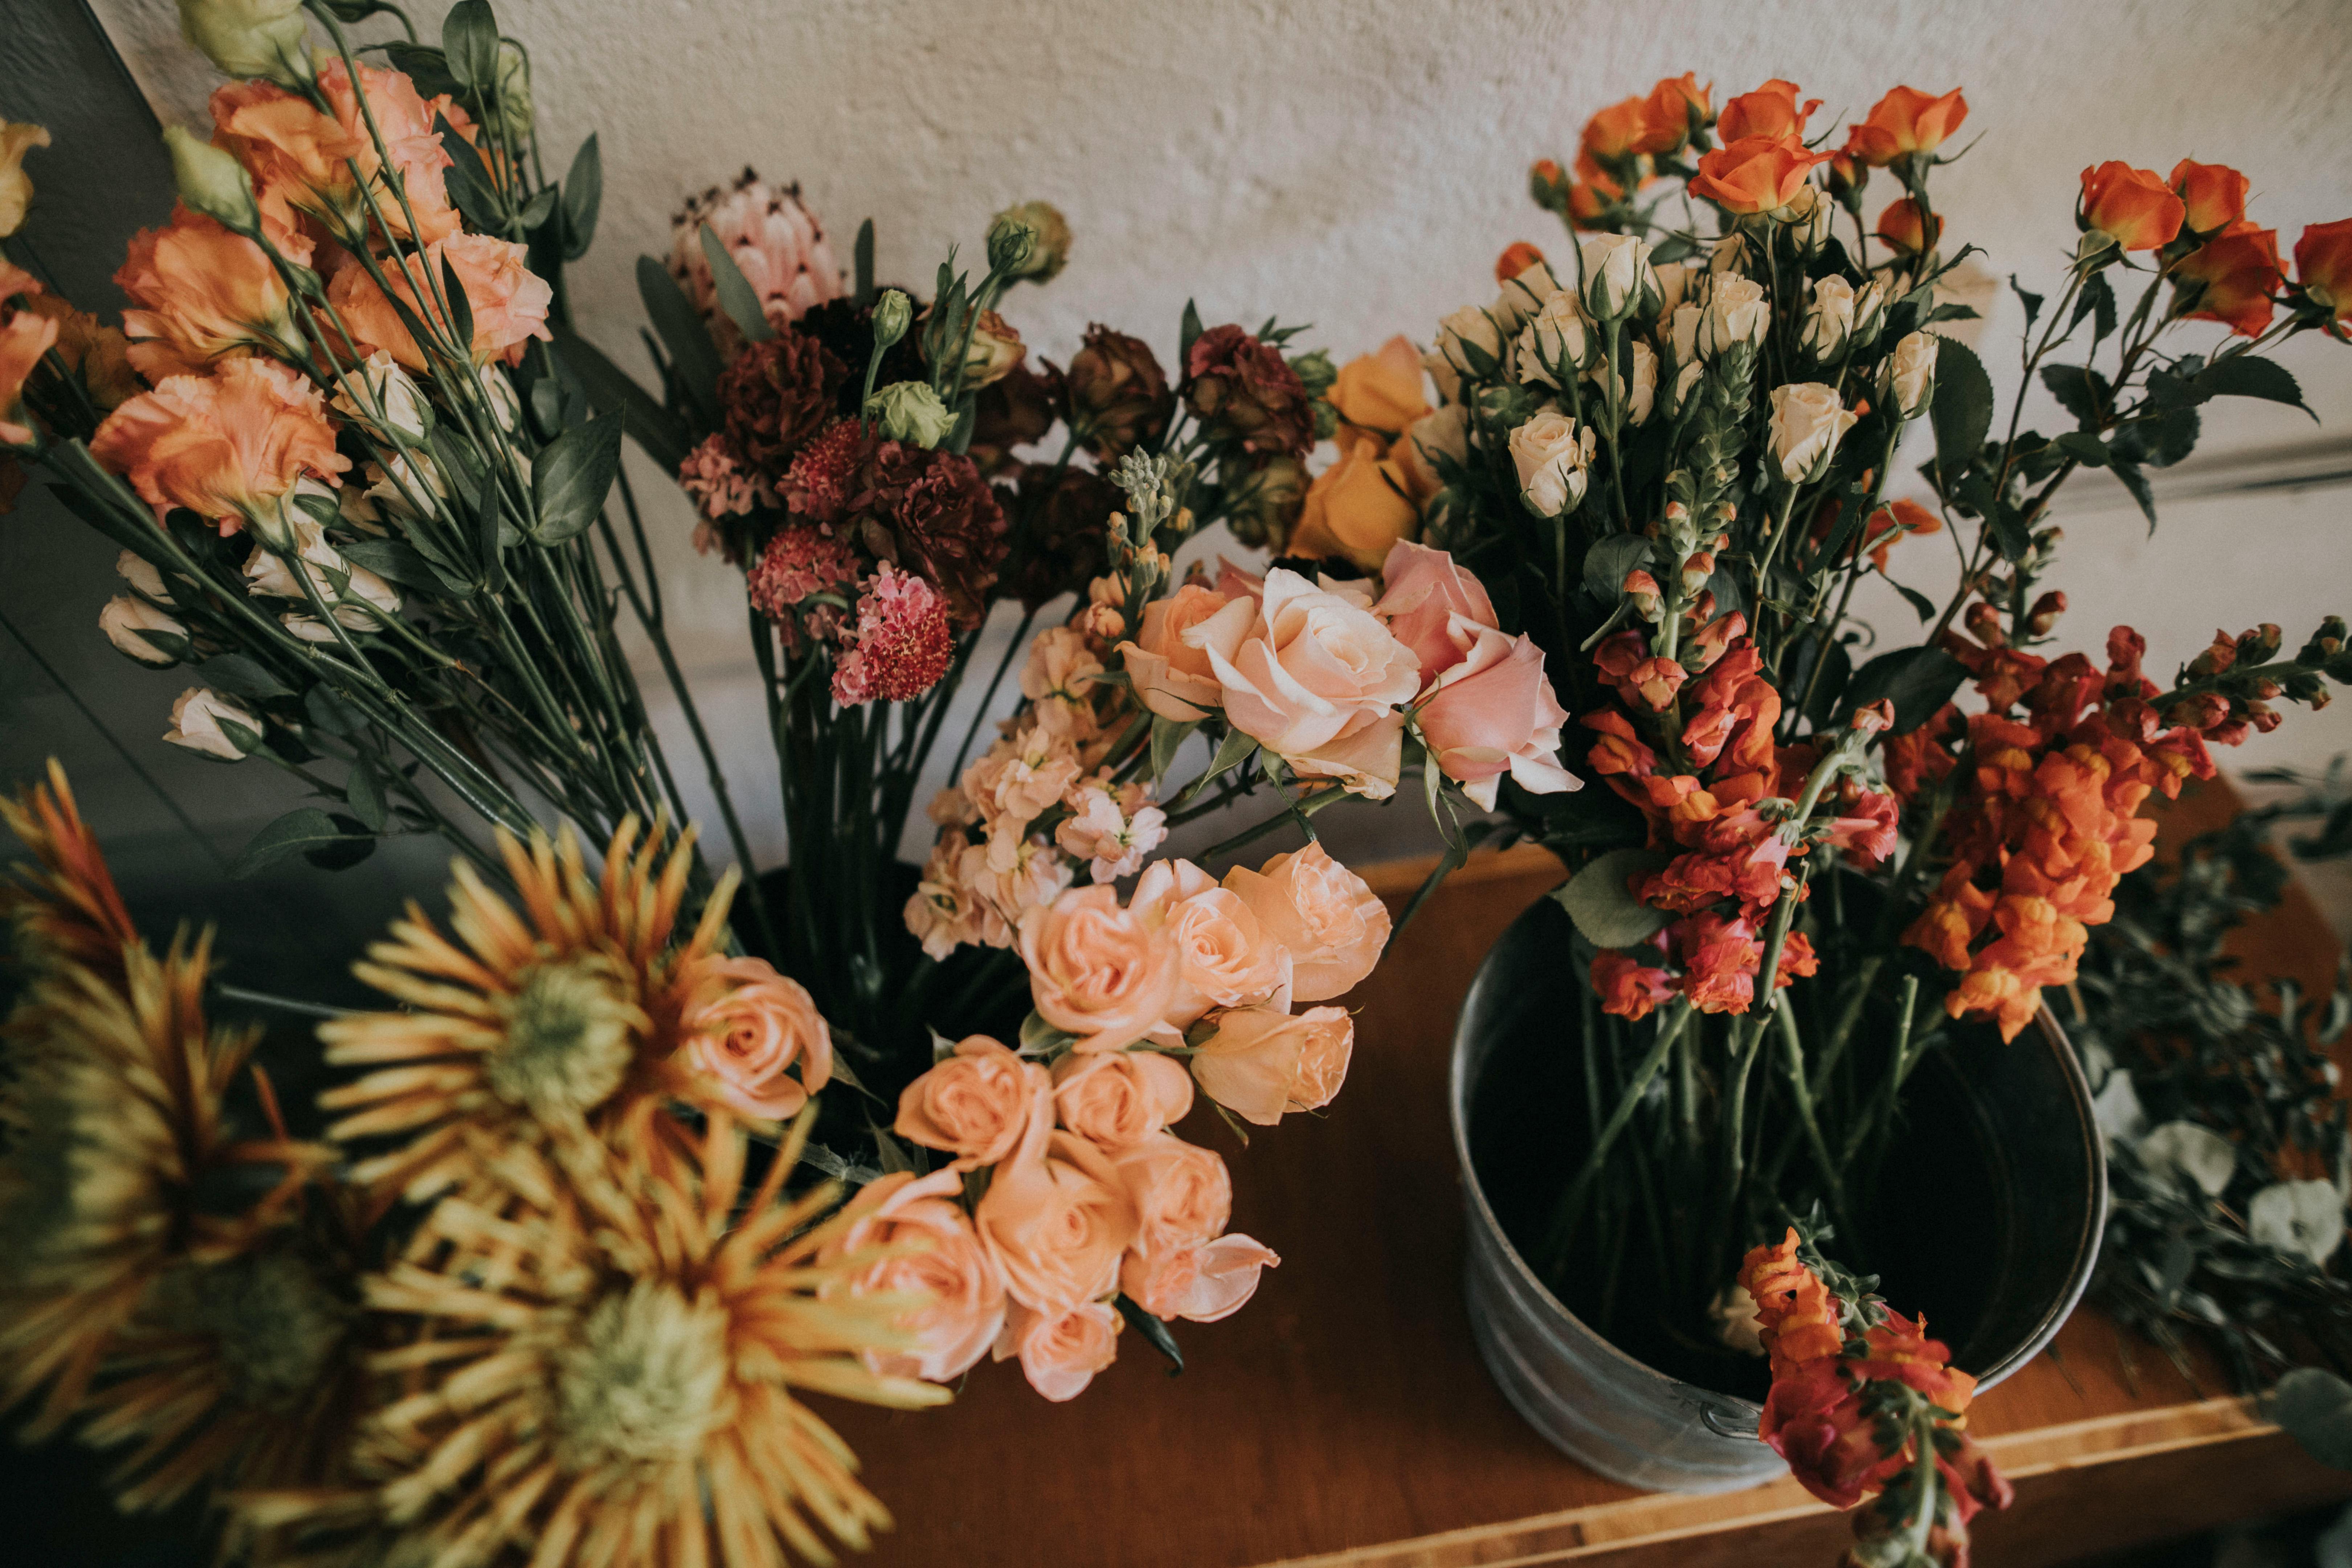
column 1061, row 1351
column 1172, row 676
column 1118, row 1099
column 1425, row 593
column 1181, row 1192
column 1332, row 923
column 1102, row 972
column 1056, row 1217
column 1261, row 1063
column 1495, row 713
column 1312, row 674
column 1200, row 1283
column 963, row 1296
column 1224, row 957
column 745, row 1041
column 975, row 1105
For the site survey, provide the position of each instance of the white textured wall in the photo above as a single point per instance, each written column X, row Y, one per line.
column 1358, row 164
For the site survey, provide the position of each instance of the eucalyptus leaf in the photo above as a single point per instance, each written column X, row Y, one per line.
column 736, row 295
column 489, row 547
column 469, row 180
column 2186, row 1149
column 1604, row 908
column 460, row 321
column 395, row 561
column 2305, row 1218
column 583, row 196
column 573, row 475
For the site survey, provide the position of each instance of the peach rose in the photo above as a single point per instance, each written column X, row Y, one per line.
column 1332, row 924
column 962, row 1310
column 1357, row 508
column 2133, row 207
column 229, row 445
column 1170, row 677
column 1061, row 1351
column 744, row 1040
column 1905, row 120
column 1382, row 391
column 1495, row 713
column 1423, row 594
column 1201, row 1284
column 201, row 292
column 25, row 337
column 1757, row 174
column 1312, row 675
column 1183, row 1192
column 1262, row 1062
column 1056, row 1217
column 1224, row 957
column 509, row 300
column 1104, row 974
column 1118, row 1099
column 975, row 1105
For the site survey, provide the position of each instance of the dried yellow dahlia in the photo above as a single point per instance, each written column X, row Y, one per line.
column 564, row 1012
column 607, row 1360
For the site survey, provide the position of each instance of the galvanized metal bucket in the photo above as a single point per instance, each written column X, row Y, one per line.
column 2026, row 1245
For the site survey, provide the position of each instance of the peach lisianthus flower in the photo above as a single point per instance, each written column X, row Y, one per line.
column 1493, row 713
column 1261, row 1063
column 1116, row 1099
column 326, row 165
column 1333, row 925
column 201, row 292
column 509, row 302
column 975, row 1105
column 1422, row 594
column 743, row 1042
column 1061, row 1351
column 1056, row 1217
column 229, row 445
column 1201, row 1284
column 1105, row 973
column 1171, row 677
column 1224, row 957
column 963, row 1309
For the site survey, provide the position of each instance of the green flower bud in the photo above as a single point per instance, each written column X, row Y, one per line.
column 1047, row 250
column 1011, row 242
column 511, row 115
column 893, row 313
column 1316, row 372
column 212, row 181
column 910, row 411
column 251, row 37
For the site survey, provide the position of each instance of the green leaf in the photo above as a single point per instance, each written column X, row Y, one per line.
column 2136, row 482
column 363, row 792
column 862, row 265
column 469, row 39
column 573, row 475
column 330, row 713
column 298, row 831
column 538, row 209
column 239, row 676
column 487, row 547
column 1919, row 679
column 2243, row 375
column 612, row 389
column 1167, row 736
column 692, row 355
column 2080, row 391
column 396, row 561
column 1919, row 602
column 1187, row 335
column 1155, row 1332
column 1837, row 670
column 1604, row 908
column 1232, row 751
column 584, row 194
column 736, row 296
column 354, row 10
column 1607, row 562
column 423, row 65
column 244, row 740
column 1962, row 410
column 2026, row 297
column 2083, row 447
column 2316, row 1407
column 469, row 181
column 2159, row 440
column 461, row 311
column 2096, row 301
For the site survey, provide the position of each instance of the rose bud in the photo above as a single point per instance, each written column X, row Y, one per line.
column 1552, row 457
column 2044, row 617
column 1516, row 257
column 2212, row 196
column 1904, row 232
column 1909, row 378
column 1808, row 421
column 1617, row 274
column 1847, row 177
column 202, row 720
column 1548, row 185
column 1829, row 320
column 2323, row 271
column 994, row 352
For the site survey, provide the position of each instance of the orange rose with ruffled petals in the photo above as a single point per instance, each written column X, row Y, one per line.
column 1904, row 122
column 1327, row 917
column 228, row 446
column 2212, row 196
column 1901, row 230
column 2232, row 278
column 1261, row 1063
column 741, row 1042
column 509, row 300
column 1755, row 175
column 975, row 1104
column 25, row 337
column 1676, row 108
column 1358, row 508
column 1771, row 111
column 1116, row 1099
column 2323, row 266
column 1102, row 972
column 944, row 1267
column 1056, row 1217
column 201, row 292
column 1167, row 675
column 2131, row 206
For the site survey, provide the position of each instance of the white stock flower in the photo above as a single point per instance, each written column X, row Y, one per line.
column 1551, row 457
column 1736, row 314
column 1909, row 379
column 197, row 720
column 126, row 617
column 1829, row 319
column 1808, row 418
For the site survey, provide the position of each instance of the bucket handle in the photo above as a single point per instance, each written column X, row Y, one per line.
column 1735, row 1426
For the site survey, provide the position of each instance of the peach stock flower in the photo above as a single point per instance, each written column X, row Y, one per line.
column 25, row 337
column 1753, row 175
column 944, row 1266
column 1262, row 1062
column 1332, row 924
column 2131, row 206
column 1102, row 972
column 1171, row 677
column 1056, row 1217
column 1493, row 713
column 1061, row 1351
column 509, row 302
column 1432, row 605
column 201, row 292
column 1312, row 674
column 744, row 1041
column 1904, row 122
column 974, row 1105
column 1225, row 959
column 1382, row 391
column 1116, row 1099
column 1771, row 111
column 1359, row 507
column 228, row 446
column 1201, row 1284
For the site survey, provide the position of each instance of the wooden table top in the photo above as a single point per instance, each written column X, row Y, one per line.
column 1343, row 1418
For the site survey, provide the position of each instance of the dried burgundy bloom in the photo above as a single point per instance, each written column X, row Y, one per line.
column 847, row 331
column 949, row 528
column 776, row 396
column 1063, row 544
column 1244, row 388
column 1119, row 395
column 1015, row 412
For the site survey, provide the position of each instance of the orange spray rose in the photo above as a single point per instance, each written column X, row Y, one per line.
column 2323, row 266
column 2213, row 196
column 1754, row 174
column 2230, row 278
column 2131, row 206
column 1904, row 122
column 1771, row 111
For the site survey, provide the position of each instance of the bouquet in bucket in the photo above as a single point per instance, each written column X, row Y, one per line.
column 1673, row 453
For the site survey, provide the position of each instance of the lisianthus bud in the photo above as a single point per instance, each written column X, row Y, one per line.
column 1048, row 247
column 2043, row 619
column 197, row 719
column 1909, row 379
column 212, row 181
column 1808, row 419
column 511, row 111
column 1617, row 275
column 909, row 411
column 16, row 185
column 250, row 38
column 1830, row 320
column 893, row 313
column 147, row 634
column 1738, row 316
column 1553, row 458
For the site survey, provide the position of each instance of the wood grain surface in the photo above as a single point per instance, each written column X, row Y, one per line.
column 1343, row 1419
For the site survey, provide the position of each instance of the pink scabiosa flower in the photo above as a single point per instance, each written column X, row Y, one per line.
column 797, row 563
column 902, row 644
column 817, row 483
column 773, row 237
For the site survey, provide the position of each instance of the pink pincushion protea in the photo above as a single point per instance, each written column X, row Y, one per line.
column 776, row 241
column 817, row 484
column 902, row 642
column 797, row 563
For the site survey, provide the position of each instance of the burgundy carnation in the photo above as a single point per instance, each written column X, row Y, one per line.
column 951, row 529
column 1119, row 395
column 1013, row 412
column 1065, row 530
column 775, row 395
column 1244, row 388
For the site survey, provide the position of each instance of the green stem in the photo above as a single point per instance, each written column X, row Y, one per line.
column 1571, row 1204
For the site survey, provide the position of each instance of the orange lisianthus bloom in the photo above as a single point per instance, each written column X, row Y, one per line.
column 2323, row 266
column 229, row 445
column 509, row 302
column 25, row 337
column 1904, row 122
column 2232, row 277
column 201, row 292
column 1770, row 110
column 1752, row 175
column 1675, row 109
column 2131, row 206
column 1901, row 228
column 303, row 160
column 2212, row 194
